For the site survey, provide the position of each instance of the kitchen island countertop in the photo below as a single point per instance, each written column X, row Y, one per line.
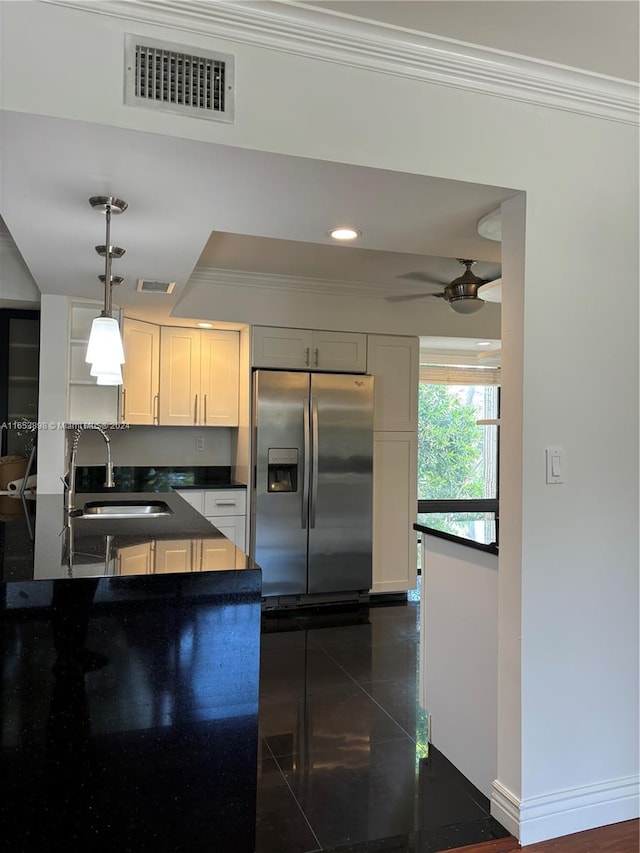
column 130, row 701
column 38, row 542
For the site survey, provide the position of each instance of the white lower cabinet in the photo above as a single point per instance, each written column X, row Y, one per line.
column 216, row 554
column 232, row 526
column 177, row 555
column 174, row 555
column 225, row 508
column 394, row 511
column 194, row 497
column 135, row 560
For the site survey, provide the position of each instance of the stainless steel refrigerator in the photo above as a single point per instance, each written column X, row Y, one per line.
column 313, row 456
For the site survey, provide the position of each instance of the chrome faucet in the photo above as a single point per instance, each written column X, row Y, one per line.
column 69, row 479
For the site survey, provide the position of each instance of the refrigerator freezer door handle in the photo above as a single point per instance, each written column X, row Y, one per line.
column 314, row 462
column 305, row 464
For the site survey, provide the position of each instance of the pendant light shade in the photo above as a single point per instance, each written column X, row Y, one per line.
column 105, row 368
column 105, row 352
column 110, row 378
column 105, row 344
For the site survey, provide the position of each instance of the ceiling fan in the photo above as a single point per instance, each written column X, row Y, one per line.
column 461, row 293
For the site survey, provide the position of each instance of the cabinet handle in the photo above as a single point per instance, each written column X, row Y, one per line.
column 306, row 356
column 226, row 503
column 156, row 408
column 316, row 355
column 205, row 410
column 195, row 410
column 124, row 404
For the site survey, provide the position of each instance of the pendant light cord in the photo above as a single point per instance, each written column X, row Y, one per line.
column 106, row 311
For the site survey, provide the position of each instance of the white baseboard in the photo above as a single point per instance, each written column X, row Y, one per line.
column 565, row 812
column 505, row 808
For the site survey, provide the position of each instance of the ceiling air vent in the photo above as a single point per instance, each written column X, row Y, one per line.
column 146, row 285
column 170, row 77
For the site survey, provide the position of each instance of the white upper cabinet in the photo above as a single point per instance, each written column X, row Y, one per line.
column 179, row 376
column 219, row 377
column 286, row 348
column 140, row 373
column 306, row 349
column 199, row 376
column 335, row 351
column 393, row 361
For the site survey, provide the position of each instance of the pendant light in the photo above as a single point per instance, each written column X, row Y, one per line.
column 105, row 352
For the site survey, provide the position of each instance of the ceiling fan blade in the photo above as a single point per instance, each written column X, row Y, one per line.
column 408, row 296
column 423, row 277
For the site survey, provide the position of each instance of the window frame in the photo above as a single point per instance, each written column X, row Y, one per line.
column 488, row 505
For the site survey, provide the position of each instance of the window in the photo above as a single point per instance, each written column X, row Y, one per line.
column 457, row 455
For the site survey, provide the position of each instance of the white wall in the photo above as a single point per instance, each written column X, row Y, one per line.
column 575, row 546
column 17, row 287
column 272, row 307
column 155, row 445
column 52, row 392
column 459, row 645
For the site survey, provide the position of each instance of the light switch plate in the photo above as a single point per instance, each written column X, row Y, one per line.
column 556, row 465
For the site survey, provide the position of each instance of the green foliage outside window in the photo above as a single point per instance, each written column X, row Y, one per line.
column 450, row 461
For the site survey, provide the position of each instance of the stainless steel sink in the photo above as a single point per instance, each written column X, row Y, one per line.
column 126, row 509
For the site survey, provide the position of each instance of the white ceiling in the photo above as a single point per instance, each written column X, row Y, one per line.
column 224, row 208
column 246, row 212
column 595, row 35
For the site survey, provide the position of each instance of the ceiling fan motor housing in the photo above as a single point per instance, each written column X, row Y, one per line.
column 466, row 285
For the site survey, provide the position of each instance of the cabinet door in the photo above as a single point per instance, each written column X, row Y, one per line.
column 194, row 497
column 140, row 372
column 135, row 560
column 180, row 396
column 287, row 348
column 393, row 362
column 339, row 351
column 232, row 526
column 174, row 555
column 219, row 377
column 217, row 553
column 395, row 507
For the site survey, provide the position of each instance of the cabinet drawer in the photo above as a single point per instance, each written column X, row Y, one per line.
column 225, row 502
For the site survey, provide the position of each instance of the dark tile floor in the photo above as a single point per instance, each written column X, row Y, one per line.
column 344, row 760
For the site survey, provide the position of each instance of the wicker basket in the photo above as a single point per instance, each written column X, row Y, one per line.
column 11, row 468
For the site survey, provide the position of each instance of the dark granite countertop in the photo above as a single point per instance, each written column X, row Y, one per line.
column 488, row 547
column 37, row 541
column 130, row 712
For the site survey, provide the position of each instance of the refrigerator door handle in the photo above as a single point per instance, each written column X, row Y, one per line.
column 314, row 462
column 305, row 465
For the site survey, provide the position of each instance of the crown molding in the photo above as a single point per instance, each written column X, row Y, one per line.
column 291, row 283
column 343, row 39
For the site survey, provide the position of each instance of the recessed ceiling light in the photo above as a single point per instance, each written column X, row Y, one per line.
column 483, row 343
column 206, row 325
column 345, row 232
